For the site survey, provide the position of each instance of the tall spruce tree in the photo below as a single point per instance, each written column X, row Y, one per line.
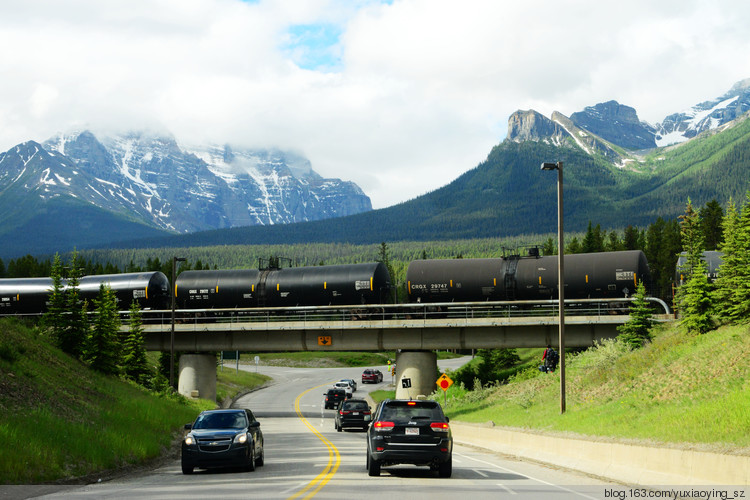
column 102, row 348
column 741, row 305
column 134, row 362
column 694, row 295
column 729, row 271
column 712, row 216
column 75, row 324
column 55, row 318
column 637, row 330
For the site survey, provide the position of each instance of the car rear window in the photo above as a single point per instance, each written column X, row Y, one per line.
column 356, row 405
column 398, row 411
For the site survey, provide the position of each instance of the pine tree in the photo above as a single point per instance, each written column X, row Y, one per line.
column 741, row 300
column 134, row 362
column 711, row 216
column 102, row 349
column 694, row 295
column 727, row 282
column 75, row 326
column 55, row 319
column 637, row 331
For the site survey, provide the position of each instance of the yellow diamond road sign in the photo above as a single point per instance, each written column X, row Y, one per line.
column 444, row 381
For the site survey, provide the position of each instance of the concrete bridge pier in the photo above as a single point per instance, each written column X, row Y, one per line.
column 418, row 369
column 197, row 376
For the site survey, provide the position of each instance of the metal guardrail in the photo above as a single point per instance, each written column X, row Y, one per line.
column 415, row 311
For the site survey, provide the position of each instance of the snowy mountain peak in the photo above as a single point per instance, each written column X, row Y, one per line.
column 708, row 115
column 151, row 177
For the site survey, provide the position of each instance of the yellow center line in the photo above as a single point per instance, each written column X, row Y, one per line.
column 334, row 459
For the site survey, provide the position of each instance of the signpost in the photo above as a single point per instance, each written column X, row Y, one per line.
column 444, row 382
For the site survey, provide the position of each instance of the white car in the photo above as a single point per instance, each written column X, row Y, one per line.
column 345, row 386
column 351, row 382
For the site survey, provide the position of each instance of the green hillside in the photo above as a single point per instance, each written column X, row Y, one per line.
column 681, row 389
column 62, row 420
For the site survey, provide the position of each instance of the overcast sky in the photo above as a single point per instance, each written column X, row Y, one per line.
column 398, row 96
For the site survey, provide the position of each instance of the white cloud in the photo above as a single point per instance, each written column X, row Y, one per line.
column 407, row 95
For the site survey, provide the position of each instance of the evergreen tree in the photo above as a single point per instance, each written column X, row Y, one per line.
column 73, row 336
column 55, row 318
column 711, row 216
column 637, row 331
column 2, row 269
column 548, row 247
column 613, row 243
column 385, row 259
column 694, row 295
column 574, row 246
column 741, row 299
column 630, row 238
column 102, row 349
column 593, row 241
column 134, row 362
column 729, row 271
column 493, row 361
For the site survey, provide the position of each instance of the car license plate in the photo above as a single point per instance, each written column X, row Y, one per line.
column 355, row 413
column 411, row 431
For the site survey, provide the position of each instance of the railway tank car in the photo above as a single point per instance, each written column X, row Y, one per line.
column 31, row 295
column 368, row 283
column 591, row 275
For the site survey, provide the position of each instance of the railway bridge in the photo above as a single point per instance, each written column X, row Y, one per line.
column 414, row 331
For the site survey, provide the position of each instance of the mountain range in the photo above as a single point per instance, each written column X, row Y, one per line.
column 80, row 189
column 619, row 170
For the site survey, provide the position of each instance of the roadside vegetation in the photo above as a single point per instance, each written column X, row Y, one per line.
column 680, row 388
column 65, row 422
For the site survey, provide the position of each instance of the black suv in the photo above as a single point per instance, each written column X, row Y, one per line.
column 333, row 397
column 410, row 432
column 223, row 438
column 352, row 413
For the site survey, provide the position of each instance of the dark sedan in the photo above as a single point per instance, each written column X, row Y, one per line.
column 352, row 413
column 223, row 438
column 410, row 432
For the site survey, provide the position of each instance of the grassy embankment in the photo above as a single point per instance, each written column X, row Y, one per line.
column 61, row 420
column 680, row 389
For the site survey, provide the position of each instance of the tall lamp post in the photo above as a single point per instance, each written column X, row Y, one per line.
column 560, row 274
column 175, row 260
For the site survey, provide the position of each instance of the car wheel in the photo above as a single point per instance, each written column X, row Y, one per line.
column 261, row 459
column 446, row 468
column 186, row 469
column 251, row 459
column 339, row 428
column 373, row 466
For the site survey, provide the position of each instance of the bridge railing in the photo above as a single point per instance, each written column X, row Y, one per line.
column 414, row 311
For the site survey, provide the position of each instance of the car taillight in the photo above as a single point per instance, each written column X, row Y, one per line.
column 383, row 426
column 342, row 412
column 365, row 413
column 440, row 426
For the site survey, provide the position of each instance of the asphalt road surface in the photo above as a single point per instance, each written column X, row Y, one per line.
column 306, row 458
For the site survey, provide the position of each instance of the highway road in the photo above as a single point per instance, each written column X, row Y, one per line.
column 306, row 458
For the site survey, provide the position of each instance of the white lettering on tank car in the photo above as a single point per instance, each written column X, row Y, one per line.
column 624, row 275
column 362, row 285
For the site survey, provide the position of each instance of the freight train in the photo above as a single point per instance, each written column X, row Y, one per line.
column 530, row 277
column 31, row 295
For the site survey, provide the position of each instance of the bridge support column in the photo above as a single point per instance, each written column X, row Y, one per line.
column 198, row 374
column 420, row 368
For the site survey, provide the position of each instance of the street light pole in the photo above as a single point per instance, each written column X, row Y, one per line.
column 560, row 274
column 175, row 260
